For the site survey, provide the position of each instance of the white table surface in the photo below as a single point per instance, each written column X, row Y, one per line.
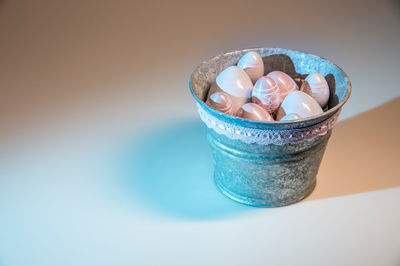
column 103, row 160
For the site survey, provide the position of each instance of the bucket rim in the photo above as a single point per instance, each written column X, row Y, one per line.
column 298, row 123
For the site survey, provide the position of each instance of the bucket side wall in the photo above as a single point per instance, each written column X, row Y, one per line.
column 266, row 175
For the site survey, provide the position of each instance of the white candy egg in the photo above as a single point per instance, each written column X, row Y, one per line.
column 292, row 116
column 237, row 84
column 300, row 103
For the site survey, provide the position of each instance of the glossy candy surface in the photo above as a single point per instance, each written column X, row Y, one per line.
column 285, row 83
column 300, row 103
column 237, row 84
column 316, row 86
column 291, row 116
column 266, row 94
column 253, row 111
column 252, row 64
column 220, row 101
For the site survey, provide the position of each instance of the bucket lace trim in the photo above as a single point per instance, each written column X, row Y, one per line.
column 266, row 136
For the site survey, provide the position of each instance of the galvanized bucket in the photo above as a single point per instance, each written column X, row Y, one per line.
column 269, row 164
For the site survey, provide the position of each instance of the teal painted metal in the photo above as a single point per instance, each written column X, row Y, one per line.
column 269, row 175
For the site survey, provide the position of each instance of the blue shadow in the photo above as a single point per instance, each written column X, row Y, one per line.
column 170, row 170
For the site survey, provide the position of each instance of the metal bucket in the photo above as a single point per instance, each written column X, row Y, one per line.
column 266, row 174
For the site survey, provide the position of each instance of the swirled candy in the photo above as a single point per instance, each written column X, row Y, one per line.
column 316, row 86
column 220, row 101
column 253, row 111
column 266, row 94
column 252, row 64
column 285, row 83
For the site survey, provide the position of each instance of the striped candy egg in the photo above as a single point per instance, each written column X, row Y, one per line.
column 266, row 94
column 220, row 101
column 252, row 64
column 255, row 112
column 285, row 83
column 316, row 86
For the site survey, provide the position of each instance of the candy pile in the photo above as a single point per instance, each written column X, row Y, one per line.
column 244, row 91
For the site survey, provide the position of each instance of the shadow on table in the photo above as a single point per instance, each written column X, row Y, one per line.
column 362, row 154
column 170, row 170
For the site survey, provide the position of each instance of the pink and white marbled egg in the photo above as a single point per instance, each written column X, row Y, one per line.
column 285, row 83
column 316, row 86
column 300, row 103
column 266, row 94
column 252, row 64
column 253, row 111
column 220, row 101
